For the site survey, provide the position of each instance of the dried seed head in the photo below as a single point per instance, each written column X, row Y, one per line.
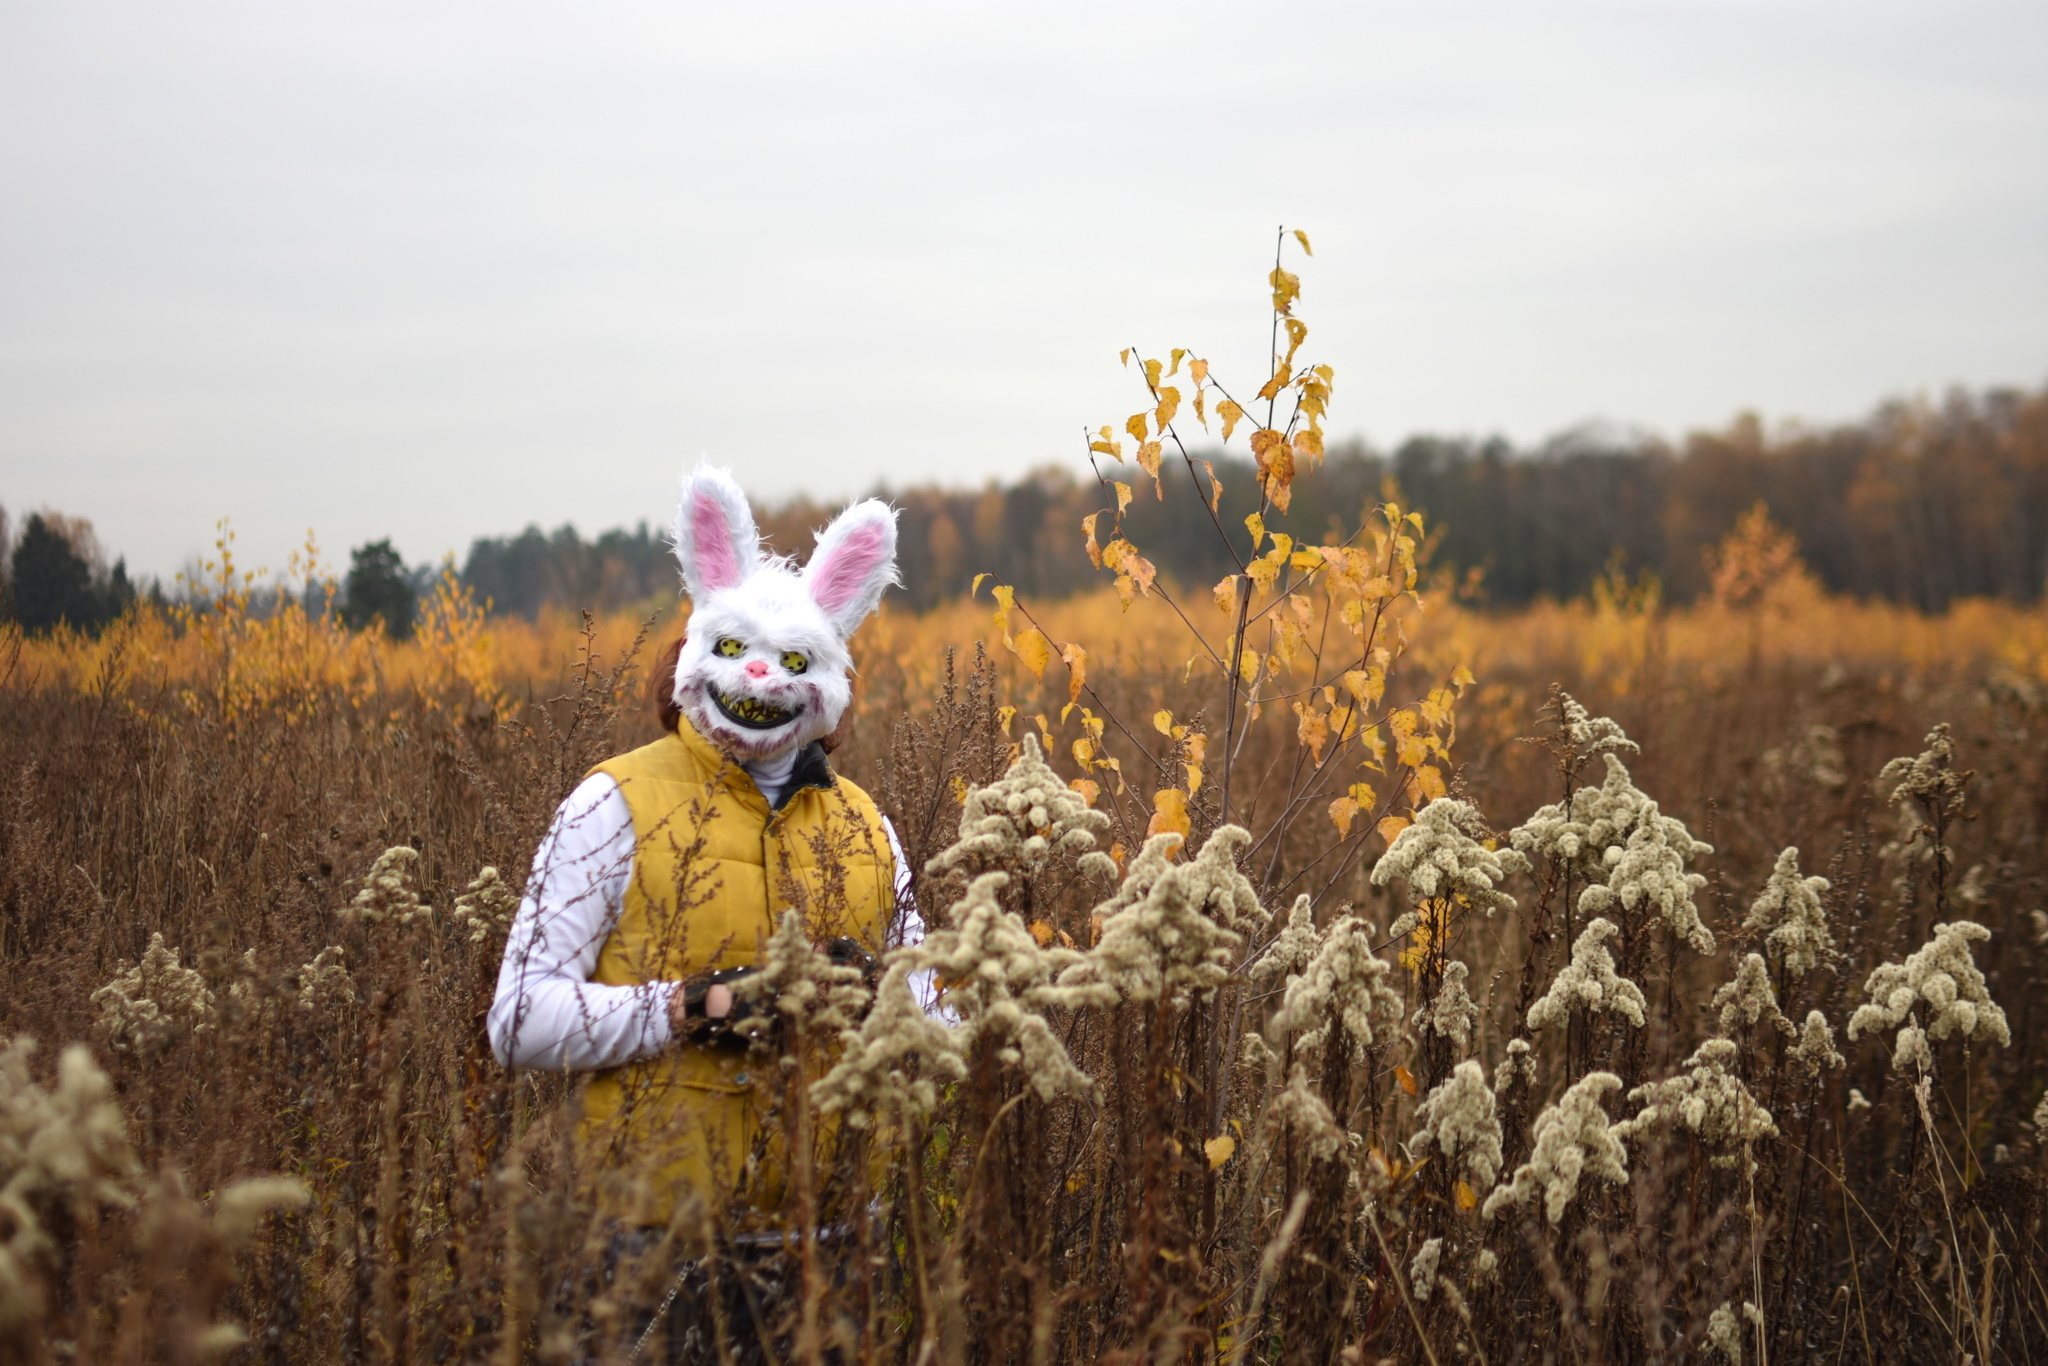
column 1344, row 986
column 894, row 1060
column 1750, row 999
column 800, row 982
column 1590, row 983
column 1816, row 1047
column 1936, row 992
column 486, row 906
column 1709, row 1101
column 1440, row 856
column 1299, row 1107
column 324, row 984
column 152, row 1005
column 1022, row 820
column 390, row 891
column 1452, row 1013
column 1459, row 1120
column 1168, row 930
column 1293, row 947
column 1572, row 1140
column 1789, row 915
column 1422, row 1270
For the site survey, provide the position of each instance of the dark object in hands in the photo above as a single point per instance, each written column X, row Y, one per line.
column 702, row 1029
column 850, row 953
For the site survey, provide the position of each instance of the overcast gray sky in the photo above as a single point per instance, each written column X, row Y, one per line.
column 435, row 270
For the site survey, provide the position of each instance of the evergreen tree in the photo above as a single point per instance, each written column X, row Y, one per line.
column 377, row 590
column 51, row 582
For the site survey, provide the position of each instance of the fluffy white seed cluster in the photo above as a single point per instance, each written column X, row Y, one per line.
column 152, row 1005
column 1929, row 782
column 486, row 906
column 1291, row 949
column 1441, row 856
column 1590, row 983
column 1517, row 1068
column 1724, row 1329
column 1345, row 984
column 1298, row 1107
column 324, row 984
column 1572, row 1141
column 1789, row 915
column 1707, row 1100
column 1022, row 820
column 64, row 1149
column 1750, row 999
column 1458, row 1119
column 999, row 978
column 1452, row 1014
column 1586, row 735
column 1816, row 1047
column 391, row 890
column 893, row 1062
column 800, row 983
column 1936, row 992
column 1632, row 854
column 1168, row 930
column 1422, row 1270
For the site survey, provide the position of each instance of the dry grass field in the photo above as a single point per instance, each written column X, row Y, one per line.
column 1336, row 972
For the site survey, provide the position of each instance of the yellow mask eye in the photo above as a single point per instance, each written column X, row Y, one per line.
column 730, row 648
column 794, row 662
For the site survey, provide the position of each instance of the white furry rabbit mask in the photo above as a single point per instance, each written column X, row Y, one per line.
column 765, row 666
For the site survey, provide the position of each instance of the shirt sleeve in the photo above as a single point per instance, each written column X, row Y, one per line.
column 547, row 1012
column 908, row 928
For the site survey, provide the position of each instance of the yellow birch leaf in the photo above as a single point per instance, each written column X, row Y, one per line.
column 1076, row 660
column 1231, row 415
column 1198, row 371
column 1169, row 813
column 1084, row 752
column 1467, row 1198
column 1141, row 570
column 1169, row 404
column 1461, row 678
column 1035, row 650
column 1123, row 496
column 1308, row 446
column 1362, row 793
column 1391, row 826
column 1297, row 333
column 1313, row 729
column 1219, row 1150
column 1430, row 781
column 1126, row 590
column 1248, row 665
column 1174, row 368
column 1343, row 812
column 1226, row 594
column 1411, row 750
column 1201, row 414
column 1042, row 932
column 1135, row 425
column 1148, row 460
column 1006, row 602
column 1162, row 721
column 1406, row 1078
column 1194, row 778
column 1302, row 238
column 1152, row 373
column 1094, row 550
column 1114, row 448
column 1198, row 748
column 1124, row 357
column 1088, row 788
column 1256, row 524
column 1215, row 486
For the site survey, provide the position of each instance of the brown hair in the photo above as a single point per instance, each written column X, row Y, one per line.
column 662, row 691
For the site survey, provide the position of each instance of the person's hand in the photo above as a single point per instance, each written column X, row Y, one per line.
column 700, row 1005
column 717, row 1001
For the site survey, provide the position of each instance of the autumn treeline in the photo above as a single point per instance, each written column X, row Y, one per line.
column 1919, row 503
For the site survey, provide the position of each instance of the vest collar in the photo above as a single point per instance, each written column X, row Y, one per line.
column 812, row 769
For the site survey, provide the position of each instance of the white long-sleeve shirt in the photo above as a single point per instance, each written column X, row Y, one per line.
column 547, row 1012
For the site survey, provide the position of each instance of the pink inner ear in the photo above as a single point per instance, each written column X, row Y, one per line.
column 839, row 582
column 718, row 561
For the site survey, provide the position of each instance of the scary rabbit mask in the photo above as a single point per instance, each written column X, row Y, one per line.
column 765, row 667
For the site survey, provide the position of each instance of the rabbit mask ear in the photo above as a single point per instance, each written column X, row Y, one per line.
column 854, row 562
column 715, row 539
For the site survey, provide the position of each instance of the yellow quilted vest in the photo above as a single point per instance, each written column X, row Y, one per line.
column 714, row 870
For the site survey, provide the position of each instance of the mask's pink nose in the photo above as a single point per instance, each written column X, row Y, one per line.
column 757, row 668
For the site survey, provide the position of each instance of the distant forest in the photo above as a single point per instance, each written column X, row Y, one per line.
column 1921, row 503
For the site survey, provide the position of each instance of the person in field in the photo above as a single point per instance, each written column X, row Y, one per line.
column 668, row 867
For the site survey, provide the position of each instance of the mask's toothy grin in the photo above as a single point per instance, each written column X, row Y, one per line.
column 753, row 713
